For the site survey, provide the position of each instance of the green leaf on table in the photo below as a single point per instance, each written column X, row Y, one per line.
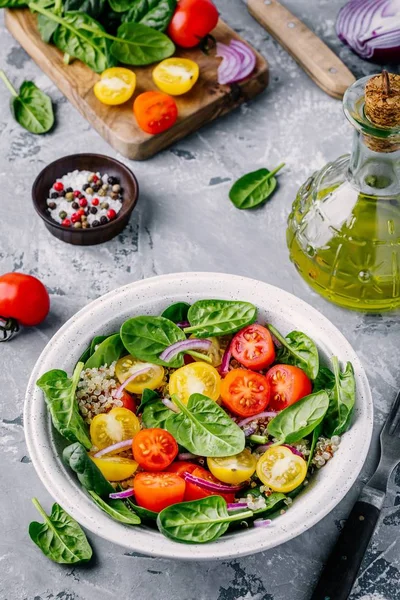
column 299, row 350
column 137, row 44
column 254, row 188
column 219, row 317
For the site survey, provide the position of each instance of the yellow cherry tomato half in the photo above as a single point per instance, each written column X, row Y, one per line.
column 176, row 76
column 128, row 365
column 116, row 86
column 116, row 426
column 196, row 378
column 115, row 468
column 280, row 469
column 233, row 469
column 214, row 352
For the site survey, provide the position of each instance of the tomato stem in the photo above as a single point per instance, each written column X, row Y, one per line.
column 8, row 327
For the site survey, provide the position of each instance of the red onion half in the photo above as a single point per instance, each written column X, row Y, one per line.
column 238, row 61
column 371, row 28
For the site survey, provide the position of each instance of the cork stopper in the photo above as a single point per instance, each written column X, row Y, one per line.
column 382, row 107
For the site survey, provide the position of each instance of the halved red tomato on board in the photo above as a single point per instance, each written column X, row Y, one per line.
column 154, row 449
column 245, row 393
column 253, row 347
column 288, row 384
column 155, row 112
column 195, row 492
column 156, row 491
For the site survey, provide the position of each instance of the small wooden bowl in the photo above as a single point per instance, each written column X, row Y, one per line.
column 85, row 162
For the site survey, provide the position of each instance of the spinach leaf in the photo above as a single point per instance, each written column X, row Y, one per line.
column 31, row 107
column 96, row 341
column 148, row 396
column 144, row 514
column 325, row 380
column 254, row 188
column 13, row 3
column 137, row 44
column 177, row 313
column 108, row 351
column 155, row 415
column 117, row 509
column 342, row 398
column 59, row 391
column 314, row 440
column 153, row 13
column 204, row 428
column 300, row 419
column 45, row 25
column 121, row 6
column 60, row 537
column 146, row 337
column 199, row 521
column 93, row 8
column 219, row 317
column 88, row 473
column 299, row 350
column 272, row 502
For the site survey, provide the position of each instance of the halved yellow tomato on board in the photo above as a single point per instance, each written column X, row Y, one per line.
column 128, row 365
column 280, row 469
column 116, row 426
column 116, row 86
column 115, row 468
column 233, row 469
column 176, row 76
column 195, row 378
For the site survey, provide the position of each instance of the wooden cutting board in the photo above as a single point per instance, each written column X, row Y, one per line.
column 205, row 102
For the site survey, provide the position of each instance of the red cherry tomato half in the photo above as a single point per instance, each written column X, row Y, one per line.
column 128, row 402
column 195, row 492
column 24, row 298
column 155, row 112
column 253, row 347
column 192, row 21
column 288, row 384
column 154, row 449
column 181, row 467
column 156, row 491
column 245, row 393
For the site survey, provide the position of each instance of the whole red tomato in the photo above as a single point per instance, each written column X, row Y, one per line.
column 192, row 21
column 23, row 298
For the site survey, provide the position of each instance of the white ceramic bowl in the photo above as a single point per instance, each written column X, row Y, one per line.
column 151, row 296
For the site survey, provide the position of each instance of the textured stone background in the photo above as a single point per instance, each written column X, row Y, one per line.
column 184, row 221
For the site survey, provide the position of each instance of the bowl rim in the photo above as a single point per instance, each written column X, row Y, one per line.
column 132, row 202
column 166, row 548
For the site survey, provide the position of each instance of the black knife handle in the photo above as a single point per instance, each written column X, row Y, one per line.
column 342, row 567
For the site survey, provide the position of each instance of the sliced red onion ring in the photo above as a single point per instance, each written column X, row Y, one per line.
column 248, row 59
column 118, row 393
column 265, row 447
column 113, row 447
column 183, row 324
column 262, row 522
column 187, row 456
column 250, row 429
column 169, row 404
column 120, row 495
column 192, row 344
column 210, row 485
column 262, row 415
column 236, row 505
column 230, row 65
column 226, row 359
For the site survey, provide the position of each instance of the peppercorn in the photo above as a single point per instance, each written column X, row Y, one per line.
column 85, row 225
column 69, row 196
column 114, row 195
column 113, row 180
column 89, row 191
column 58, row 186
column 95, row 201
column 54, row 195
column 62, row 193
column 75, row 205
column 93, row 210
column 103, row 220
column 104, row 205
column 111, row 214
column 91, row 177
column 104, row 186
column 52, row 205
column 62, row 214
column 82, row 202
column 83, row 218
column 116, row 187
column 78, row 225
column 66, row 223
column 96, row 187
column 77, row 193
column 121, row 190
column 102, row 192
column 95, row 223
column 69, row 189
column 85, row 186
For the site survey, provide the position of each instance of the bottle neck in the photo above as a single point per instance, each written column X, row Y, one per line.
column 374, row 170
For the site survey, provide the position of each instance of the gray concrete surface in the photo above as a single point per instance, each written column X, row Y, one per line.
column 184, row 221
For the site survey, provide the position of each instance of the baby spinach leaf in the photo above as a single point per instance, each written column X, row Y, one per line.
column 31, row 107
column 93, row 8
column 155, row 415
column 342, row 397
column 153, row 13
column 88, row 473
column 299, row 419
column 325, row 380
column 299, row 350
column 254, row 188
column 116, row 509
column 146, row 337
column 199, row 521
column 60, row 537
column 96, row 341
column 177, row 313
column 108, row 351
column 204, row 428
column 137, row 44
column 59, row 391
column 144, row 514
column 219, row 317
column 13, row 3
column 121, row 6
column 314, row 440
column 148, row 397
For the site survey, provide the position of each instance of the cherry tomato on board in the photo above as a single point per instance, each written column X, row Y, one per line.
column 195, row 492
column 180, row 467
column 154, row 449
column 192, row 21
column 156, row 491
column 288, row 384
column 23, row 300
column 245, row 393
column 155, row 112
column 176, row 76
column 116, row 86
column 253, row 347
column 280, row 469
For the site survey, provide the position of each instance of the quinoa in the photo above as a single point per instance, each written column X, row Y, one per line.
column 95, row 392
column 324, row 450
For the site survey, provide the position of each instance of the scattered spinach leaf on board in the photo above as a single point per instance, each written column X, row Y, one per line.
column 13, row 3
column 31, row 107
column 316, row 433
column 137, row 44
column 108, row 351
column 204, row 428
column 148, row 397
column 116, row 509
column 88, row 473
column 59, row 391
column 93, row 8
column 219, row 317
column 342, row 397
column 299, row 350
column 299, row 419
column 199, row 521
column 60, row 537
column 177, row 312
column 146, row 337
column 254, row 188
column 155, row 415
column 153, row 13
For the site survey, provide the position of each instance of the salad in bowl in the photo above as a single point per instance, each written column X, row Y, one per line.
column 201, row 419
